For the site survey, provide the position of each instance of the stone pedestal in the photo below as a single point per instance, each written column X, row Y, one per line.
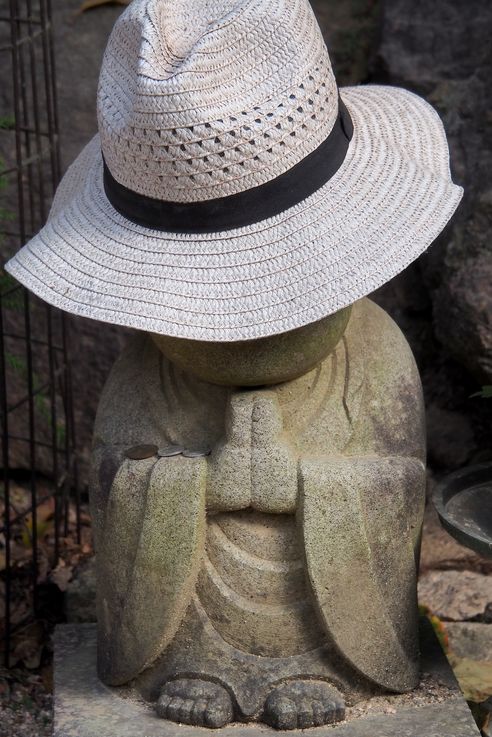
column 84, row 707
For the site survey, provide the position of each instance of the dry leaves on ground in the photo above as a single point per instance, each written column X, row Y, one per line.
column 29, row 630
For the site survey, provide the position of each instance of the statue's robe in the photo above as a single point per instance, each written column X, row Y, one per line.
column 342, row 448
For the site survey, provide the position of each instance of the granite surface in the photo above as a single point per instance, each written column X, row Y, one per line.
column 333, row 458
column 84, row 707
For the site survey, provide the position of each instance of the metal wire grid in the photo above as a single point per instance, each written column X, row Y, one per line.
column 35, row 389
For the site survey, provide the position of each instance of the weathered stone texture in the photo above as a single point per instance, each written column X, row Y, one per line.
column 288, row 553
column 86, row 708
column 456, row 595
column 269, row 360
column 471, row 640
column 442, row 50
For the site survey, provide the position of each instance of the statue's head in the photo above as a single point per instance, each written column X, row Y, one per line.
column 269, row 360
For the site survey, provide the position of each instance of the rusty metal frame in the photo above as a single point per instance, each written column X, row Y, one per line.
column 36, row 332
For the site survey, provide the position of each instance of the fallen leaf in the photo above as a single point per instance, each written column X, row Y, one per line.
column 44, row 565
column 19, row 496
column 20, row 610
column 27, row 645
column 47, row 677
column 61, row 575
column 44, row 522
column 19, row 554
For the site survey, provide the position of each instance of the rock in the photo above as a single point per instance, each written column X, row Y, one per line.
column 474, row 677
column 470, row 640
column 455, row 595
column 351, row 32
column 463, row 314
column 441, row 50
column 450, row 439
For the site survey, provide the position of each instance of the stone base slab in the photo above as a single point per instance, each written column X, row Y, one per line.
column 84, row 707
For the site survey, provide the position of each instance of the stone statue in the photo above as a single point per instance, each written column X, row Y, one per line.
column 257, row 504
column 257, row 558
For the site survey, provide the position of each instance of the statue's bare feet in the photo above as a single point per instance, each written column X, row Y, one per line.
column 195, row 701
column 303, row 704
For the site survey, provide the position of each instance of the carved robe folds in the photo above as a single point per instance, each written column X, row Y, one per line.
column 304, row 520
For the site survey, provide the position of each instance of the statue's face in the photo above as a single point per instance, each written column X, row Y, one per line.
column 258, row 362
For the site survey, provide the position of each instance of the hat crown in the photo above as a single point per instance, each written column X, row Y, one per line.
column 200, row 99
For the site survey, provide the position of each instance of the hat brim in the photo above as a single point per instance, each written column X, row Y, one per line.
column 389, row 200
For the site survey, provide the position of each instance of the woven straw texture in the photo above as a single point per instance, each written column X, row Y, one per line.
column 203, row 99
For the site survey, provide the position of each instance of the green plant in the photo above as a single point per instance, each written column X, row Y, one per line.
column 11, row 297
column 7, row 122
column 485, row 392
column 7, row 283
column 41, row 399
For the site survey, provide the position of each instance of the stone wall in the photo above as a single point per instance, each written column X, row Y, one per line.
column 442, row 50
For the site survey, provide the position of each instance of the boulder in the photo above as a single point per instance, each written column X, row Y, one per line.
column 441, row 49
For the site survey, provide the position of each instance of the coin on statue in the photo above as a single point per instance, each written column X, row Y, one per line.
column 196, row 453
column 169, row 451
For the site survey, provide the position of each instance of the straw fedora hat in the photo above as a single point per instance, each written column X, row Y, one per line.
column 234, row 191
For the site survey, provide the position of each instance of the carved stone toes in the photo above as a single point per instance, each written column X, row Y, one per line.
column 194, row 701
column 303, row 704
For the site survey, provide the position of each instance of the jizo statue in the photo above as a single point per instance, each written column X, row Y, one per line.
column 270, row 572
column 258, row 465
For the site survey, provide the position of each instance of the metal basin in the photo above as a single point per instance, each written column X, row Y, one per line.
column 464, row 503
